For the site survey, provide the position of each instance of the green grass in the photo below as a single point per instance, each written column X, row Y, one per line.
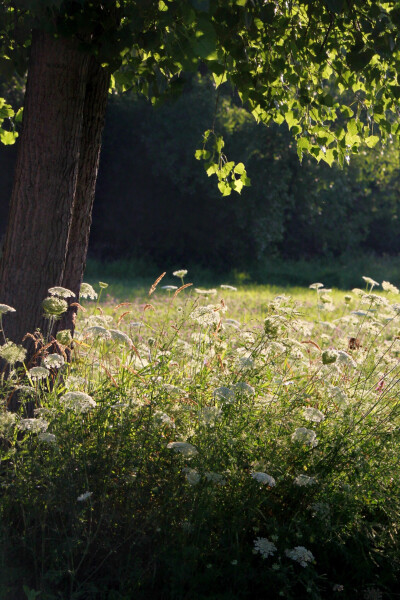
column 286, row 484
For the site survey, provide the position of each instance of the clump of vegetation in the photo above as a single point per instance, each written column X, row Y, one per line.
column 202, row 444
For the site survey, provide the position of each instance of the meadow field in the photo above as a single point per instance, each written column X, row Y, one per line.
column 205, row 444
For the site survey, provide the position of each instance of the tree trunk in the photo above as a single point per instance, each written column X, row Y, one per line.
column 41, row 208
column 94, row 111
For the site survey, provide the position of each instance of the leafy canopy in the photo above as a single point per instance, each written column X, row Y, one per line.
column 328, row 68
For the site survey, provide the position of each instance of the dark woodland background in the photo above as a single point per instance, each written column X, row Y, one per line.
column 155, row 203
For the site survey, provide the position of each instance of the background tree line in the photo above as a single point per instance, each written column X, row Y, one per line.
column 154, row 201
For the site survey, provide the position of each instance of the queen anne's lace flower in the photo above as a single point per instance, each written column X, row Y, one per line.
column 54, row 361
column 87, row 291
column 301, row 555
column 64, row 336
column 316, row 286
column 34, row 425
column 206, row 315
column 304, row 480
column 180, row 273
column 12, row 353
column 192, row 476
column 39, row 372
column 79, row 402
column 183, row 448
column 225, row 394
column 264, row 547
column 210, row 292
column 7, row 422
column 231, row 288
column 47, row 437
column 84, row 496
column 97, row 331
column 388, row 287
column 61, row 292
column 263, row 478
column 306, row 436
column 120, row 337
column 370, row 281
column 4, row 309
column 313, row 414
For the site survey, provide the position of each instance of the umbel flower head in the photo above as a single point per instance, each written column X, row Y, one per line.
column 263, row 478
column 54, row 307
column 54, row 361
column 183, row 448
column 264, row 547
column 78, row 402
column 61, row 292
column 87, row 291
column 180, row 273
column 12, row 353
column 4, row 309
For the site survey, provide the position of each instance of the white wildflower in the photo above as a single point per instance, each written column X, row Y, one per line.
column 216, row 478
column 120, row 337
column 231, row 288
column 54, row 361
column 4, row 309
column 358, row 292
column 313, row 414
column 37, row 373
column 345, row 359
column 301, row 555
column 61, row 292
column 103, row 285
column 64, row 336
column 306, row 436
column 192, row 476
column 370, row 282
column 316, row 286
column 244, row 389
column 97, row 331
column 7, row 422
column 180, row 273
column 338, row 396
column 211, row 292
column 162, row 419
column 169, row 288
column 263, row 478
column 47, row 437
column 79, row 402
column 304, row 480
column 12, row 353
column 225, row 394
column 87, row 291
column 84, row 496
column 34, row 425
column 209, row 414
column 183, row 448
column 173, row 390
column 388, row 287
column 374, row 300
column 206, row 315
column 264, row 547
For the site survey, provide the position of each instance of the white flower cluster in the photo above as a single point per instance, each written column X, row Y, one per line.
column 61, row 292
column 388, row 287
column 264, row 547
column 304, row 480
column 263, row 478
column 78, row 402
column 302, row 435
column 180, row 273
column 7, row 422
column 301, row 555
column 54, row 361
column 206, row 315
column 87, row 291
column 37, row 373
column 192, row 476
column 84, row 496
column 12, row 353
column 4, row 309
column 313, row 414
column 34, row 425
column 183, row 448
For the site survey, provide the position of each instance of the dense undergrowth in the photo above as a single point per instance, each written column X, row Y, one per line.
column 206, row 444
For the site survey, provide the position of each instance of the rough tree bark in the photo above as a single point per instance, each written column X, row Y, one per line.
column 46, row 174
column 94, row 111
column 54, row 184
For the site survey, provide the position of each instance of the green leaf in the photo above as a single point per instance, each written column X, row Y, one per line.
column 8, row 137
column 205, row 41
column 224, row 188
column 290, row 119
column 240, row 169
column 371, row 141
